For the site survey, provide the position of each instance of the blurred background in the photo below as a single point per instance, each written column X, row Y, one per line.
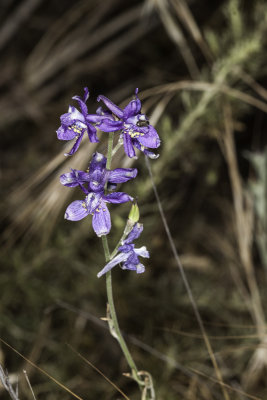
column 201, row 71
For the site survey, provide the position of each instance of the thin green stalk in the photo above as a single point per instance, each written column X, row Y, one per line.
column 114, row 319
column 127, row 230
column 116, row 148
column 113, row 315
column 110, row 148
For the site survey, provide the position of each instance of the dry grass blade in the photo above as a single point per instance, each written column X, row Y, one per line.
column 244, row 224
column 70, row 49
column 36, row 210
column 186, row 284
column 111, row 50
column 188, row 20
column 206, row 87
column 41, row 370
column 56, row 31
column 176, row 35
column 250, row 81
column 218, row 337
column 186, row 370
column 244, row 220
column 238, row 391
column 101, row 373
column 29, row 384
column 22, row 13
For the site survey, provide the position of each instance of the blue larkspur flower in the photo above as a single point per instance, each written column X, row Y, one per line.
column 75, row 123
column 128, row 254
column 93, row 185
column 135, row 127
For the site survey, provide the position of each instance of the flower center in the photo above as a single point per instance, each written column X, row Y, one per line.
column 136, row 134
column 131, row 132
column 98, row 209
column 75, row 128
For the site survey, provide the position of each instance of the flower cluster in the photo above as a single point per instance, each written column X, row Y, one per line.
column 98, row 183
column 93, row 185
column 134, row 126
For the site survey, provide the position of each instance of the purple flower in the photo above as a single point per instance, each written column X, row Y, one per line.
column 75, row 123
column 94, row 204
column 128, row 254
column 136, row 130
column 97, row 176
column 93, row 185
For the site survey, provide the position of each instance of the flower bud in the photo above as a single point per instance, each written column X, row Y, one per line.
column 134, row 214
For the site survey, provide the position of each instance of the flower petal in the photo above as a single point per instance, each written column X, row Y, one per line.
column 128, row 146
column 150, row 154
column 81, row 101
column 91, row 131
column 109, row 125
column 134, row 234
column 74, row 178
column 98, row 161
column 115, row 109
column 133, row 108
column 104, row 113
column 150, row 138
column 65, row 133
column 132, row 261
column 147, row 152
column 120, row 175
column 92, row 200
column 117, row 198
column 97, row 180
column 93, row 118
column 115, row 261
column 101, row 220
column 71, row 117
column 76, row 211
column 140, row 268
column 75, row 146
column 142, row 251
column 126, row 248
column 99, row 116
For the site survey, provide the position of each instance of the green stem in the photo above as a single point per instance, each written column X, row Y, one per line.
column 127, row 229
column 113, row 315
column 116, row 148
column 114, row 318
column 110, row 148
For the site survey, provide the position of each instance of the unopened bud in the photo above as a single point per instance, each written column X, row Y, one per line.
column 134, row 214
